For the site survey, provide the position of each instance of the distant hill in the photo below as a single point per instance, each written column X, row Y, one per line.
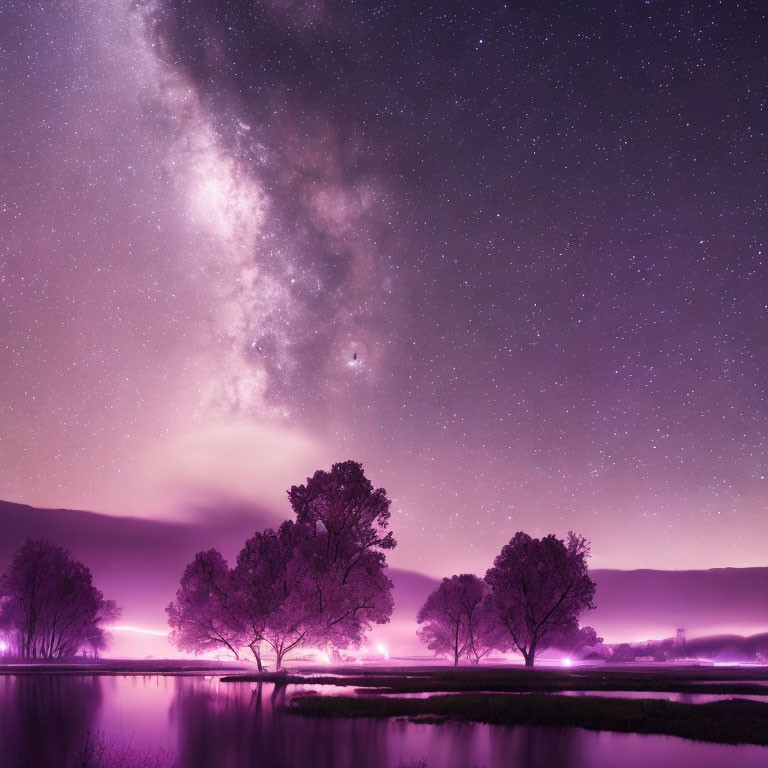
column 138, row 562
column 634, row 605
column 727, row 648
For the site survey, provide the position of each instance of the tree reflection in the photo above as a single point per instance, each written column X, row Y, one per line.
column 43, row 718
column 530, row 746
column 233, row 725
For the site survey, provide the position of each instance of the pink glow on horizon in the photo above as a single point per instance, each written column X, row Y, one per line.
column 139, row 630
column 129, row 641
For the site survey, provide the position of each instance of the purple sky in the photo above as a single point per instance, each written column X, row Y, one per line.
column 511, row 258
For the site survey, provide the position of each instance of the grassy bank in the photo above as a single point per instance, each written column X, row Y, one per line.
column 727, row 722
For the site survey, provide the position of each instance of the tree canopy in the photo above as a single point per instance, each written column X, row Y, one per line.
column 204, row 616
column 529, row 600
column 317, row 581
column 49, row 603
column 539, row 587
column 451, row 617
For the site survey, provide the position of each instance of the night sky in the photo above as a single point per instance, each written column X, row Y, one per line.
column 510, row 256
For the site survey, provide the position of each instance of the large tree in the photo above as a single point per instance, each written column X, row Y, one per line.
column 342, row 539
column 50, row 604
column 204, row 617
column 317, row 581
column 452, row 618
column 274, row 603
column 539, row 587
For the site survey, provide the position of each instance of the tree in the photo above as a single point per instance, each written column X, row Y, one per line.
column 574, row 638
column 317, row 581
column 341, row 540
column 204, row 616
column 50, row 603
column 487, row 633
column 451, row 618
column 624, row 652
column 539, row 587
column 274, row 604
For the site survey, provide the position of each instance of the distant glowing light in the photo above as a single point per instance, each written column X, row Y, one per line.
column 567, row 662
column 139, row 630
column 382, row 649
column 3, row 646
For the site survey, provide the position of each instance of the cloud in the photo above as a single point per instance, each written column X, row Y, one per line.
column 229, row 460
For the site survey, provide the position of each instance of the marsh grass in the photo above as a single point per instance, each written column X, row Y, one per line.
column 735, row 721
column 734, row 680
column 96, row 750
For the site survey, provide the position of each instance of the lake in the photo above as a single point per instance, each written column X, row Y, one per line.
column 203, row 723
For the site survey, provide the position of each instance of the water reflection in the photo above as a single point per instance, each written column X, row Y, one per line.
column 239, row 725
column 206, row 724
column 43, row 719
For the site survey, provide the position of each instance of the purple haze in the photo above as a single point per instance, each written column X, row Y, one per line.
column 139, row 563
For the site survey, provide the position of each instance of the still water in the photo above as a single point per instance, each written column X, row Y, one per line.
column 203, row 723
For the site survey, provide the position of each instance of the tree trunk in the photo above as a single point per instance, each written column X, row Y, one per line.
column 256, row 651
column 456, row 648
column 531, row 655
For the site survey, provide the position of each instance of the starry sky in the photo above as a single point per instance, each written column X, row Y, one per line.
column 511, row 256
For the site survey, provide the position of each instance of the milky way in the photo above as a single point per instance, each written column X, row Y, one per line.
column 511, row 257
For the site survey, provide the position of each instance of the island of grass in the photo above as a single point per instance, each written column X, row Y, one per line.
column 402, row 680
column 735, row 721
column 478, row 694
